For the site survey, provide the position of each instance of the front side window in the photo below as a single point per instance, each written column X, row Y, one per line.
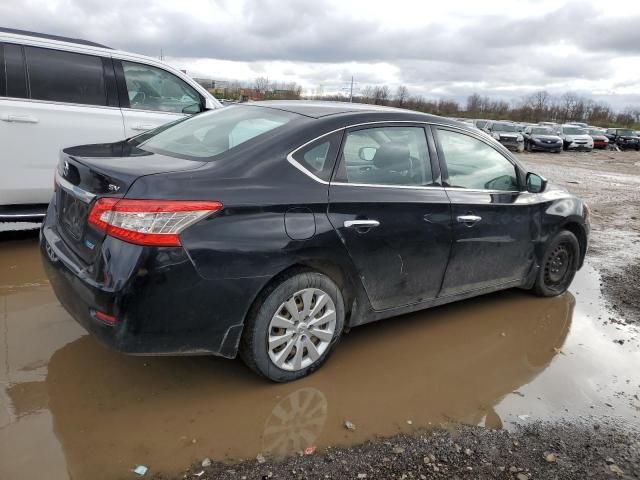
column 67, row 77
column 473, row 164
column 151, row 88
column 386, row 156
column 214, row 132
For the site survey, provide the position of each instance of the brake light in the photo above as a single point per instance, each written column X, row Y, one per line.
column 148, row 222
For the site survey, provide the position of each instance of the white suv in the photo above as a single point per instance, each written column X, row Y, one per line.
column 57, row 92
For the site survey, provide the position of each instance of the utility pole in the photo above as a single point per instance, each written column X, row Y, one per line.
column 351, row 91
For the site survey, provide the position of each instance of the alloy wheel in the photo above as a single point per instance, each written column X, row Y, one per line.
column 302, row 329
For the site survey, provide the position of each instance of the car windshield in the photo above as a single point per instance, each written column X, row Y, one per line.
column 209, row 134
column 573, row 130
column 503, row 127
column 541, row 131
column 629, row 133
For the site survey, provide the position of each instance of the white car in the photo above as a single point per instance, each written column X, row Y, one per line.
column 57, row 92
column 575, row 138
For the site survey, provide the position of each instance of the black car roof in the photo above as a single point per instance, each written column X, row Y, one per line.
column 46, row 36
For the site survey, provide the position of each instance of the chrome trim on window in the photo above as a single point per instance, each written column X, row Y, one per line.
column 310, row 174
column 65, row 184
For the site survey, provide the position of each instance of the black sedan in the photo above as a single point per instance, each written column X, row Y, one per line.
column 268, row 229
column 623, row 138
column 541, row 139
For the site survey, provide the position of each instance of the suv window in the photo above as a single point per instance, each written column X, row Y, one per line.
column 472, row 163
column 65, row 76
column 16, row 76
column 386, row 156
column 151, row 88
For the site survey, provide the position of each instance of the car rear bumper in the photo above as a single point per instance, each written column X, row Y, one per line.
column 600, row 144
column 160, row 302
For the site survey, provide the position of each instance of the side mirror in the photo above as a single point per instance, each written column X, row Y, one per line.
column 367, row 153
column 535, row 183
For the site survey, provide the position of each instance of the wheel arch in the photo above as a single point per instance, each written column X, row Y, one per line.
column 579, row 231
column 337, row 273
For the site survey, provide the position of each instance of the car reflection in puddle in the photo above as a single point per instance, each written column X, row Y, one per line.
column 453, row 363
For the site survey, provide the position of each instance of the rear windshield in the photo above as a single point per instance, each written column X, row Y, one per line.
column 573, row 130
column 212, row 133
column 503, row 127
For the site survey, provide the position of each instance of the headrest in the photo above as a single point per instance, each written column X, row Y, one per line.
column 393, row 156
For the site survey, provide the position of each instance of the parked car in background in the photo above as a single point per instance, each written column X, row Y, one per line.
column 480, row 123
column 624, row 138
column 507, row 134
column 57, row 92
column 579, row 124
column 600, row 140
column 541, row 138
column 267, row 229
column 575, row 138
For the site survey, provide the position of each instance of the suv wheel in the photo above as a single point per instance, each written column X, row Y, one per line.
column 295, row 327
column 559, row 265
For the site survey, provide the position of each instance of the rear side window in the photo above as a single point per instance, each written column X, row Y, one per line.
column 151, row 88
column 65, row 76
column 386, row 156
column 319, row 157
column 473, row 164
column 214, row 132
column 16, row 76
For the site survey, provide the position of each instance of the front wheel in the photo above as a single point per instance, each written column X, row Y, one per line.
column 559, row 265
column 294, row 328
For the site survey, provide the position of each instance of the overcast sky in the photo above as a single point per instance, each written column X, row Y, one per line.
column 501, row 48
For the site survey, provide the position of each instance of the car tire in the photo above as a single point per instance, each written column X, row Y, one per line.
column 558, row 266
column 273, row 318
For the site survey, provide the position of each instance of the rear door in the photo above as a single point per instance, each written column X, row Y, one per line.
column 151, row 96
column 391, row 213
column 491, row 217
column 52, row 99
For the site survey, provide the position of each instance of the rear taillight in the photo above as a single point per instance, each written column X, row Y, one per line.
column 148, row 222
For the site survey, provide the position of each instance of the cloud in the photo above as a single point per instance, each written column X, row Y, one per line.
column 469, row 46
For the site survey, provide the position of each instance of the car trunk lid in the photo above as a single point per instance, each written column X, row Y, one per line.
column 89, row 172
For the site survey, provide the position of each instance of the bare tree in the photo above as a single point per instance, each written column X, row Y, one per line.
column 402, row 94
column 381, row 95
column 261, row 84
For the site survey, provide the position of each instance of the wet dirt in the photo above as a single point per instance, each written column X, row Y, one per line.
column 609, row 182
column 81, row 411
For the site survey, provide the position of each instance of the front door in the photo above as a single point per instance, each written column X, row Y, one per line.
column 154, row 97
column 491, row 216
column 391, row 213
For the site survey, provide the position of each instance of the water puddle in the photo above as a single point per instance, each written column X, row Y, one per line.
column 78, row 410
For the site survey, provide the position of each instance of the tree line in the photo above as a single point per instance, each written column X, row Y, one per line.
column 537, row 107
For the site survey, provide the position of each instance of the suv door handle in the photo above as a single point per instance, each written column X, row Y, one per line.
column 140, row 127
column 19, row 118
column 469, row 220
column 361, row 223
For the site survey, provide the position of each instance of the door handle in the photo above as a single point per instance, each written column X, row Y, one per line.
column 140, row 127
column 361, row 223
column 469, row 220
column 19, row 119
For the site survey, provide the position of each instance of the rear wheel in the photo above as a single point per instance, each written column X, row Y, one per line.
column 295, row 327
column 559, row 265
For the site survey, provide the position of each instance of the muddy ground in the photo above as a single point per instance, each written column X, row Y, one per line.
column 509, row 376
column 610, row 183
